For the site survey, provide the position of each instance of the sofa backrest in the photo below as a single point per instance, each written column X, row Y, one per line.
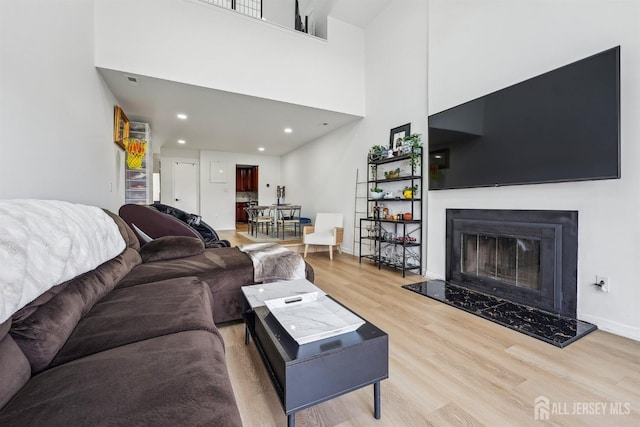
column 14, row 366
column 149, row 223
column 43, row 326
column 130, row 238
column 327, row 222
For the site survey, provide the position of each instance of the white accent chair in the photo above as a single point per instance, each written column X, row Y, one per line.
column 327, row 230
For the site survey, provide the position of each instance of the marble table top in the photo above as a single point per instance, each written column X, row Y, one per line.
column 256, row 295
column 302, row 309
column 313, row 316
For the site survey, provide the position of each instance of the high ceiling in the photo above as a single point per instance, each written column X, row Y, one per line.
column 218, row 120
column 224, row 121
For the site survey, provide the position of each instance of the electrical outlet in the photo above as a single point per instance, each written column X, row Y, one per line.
column 605, row 285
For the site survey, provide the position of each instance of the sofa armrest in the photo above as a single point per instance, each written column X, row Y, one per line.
column 171, row 247
column 307, row 229
column 338, row 232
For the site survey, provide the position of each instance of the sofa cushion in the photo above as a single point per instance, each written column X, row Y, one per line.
column 140, row 312
column 176, row 379
column 224, row 269
column 43, row 326
column 171, row 247
column 14, row 366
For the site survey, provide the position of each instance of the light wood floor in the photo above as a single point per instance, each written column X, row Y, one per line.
column 448, row 367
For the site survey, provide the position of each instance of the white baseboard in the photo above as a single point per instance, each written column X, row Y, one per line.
column 433, row 276
column 617, row 328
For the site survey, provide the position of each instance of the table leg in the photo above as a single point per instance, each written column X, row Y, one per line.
column 376, row 400
column 291, row 420
column 246, row 335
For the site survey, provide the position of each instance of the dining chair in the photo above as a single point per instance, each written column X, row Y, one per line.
column 288, row 216
column 251, row 219
column 262, row 218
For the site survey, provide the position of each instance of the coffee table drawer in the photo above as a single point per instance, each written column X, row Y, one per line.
column 305, row 375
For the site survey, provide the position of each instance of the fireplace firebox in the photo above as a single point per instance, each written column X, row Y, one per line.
column 524, row 256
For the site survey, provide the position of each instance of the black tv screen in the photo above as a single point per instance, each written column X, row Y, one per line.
column 563, row 125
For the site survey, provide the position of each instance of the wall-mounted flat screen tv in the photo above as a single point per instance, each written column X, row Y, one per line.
column 563, row 125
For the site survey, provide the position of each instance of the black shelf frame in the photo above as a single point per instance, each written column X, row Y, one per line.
column 410, row 250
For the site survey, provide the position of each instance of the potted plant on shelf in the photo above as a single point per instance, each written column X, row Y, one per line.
column 415, row 154
column 376, row 193
column 410, row 191
column 392, row 173
column 375, row 152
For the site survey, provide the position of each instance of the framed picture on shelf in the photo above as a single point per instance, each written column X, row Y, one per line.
column 397, row 135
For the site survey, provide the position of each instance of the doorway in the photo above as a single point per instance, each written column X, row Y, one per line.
column 185, row 186
column 246, row 190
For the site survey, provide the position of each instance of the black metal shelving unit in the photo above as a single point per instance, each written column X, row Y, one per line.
column 395, row 243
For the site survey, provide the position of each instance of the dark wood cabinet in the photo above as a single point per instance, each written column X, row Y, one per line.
column 247, row 179
column 241, row 214
column 254, row 179
column 239, row 181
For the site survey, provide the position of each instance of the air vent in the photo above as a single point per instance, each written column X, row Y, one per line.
column 132, row 80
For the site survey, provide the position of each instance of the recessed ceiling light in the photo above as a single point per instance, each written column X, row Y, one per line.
column 260, row 148
column 182, row 141
column 288, row 130
column 182, row 116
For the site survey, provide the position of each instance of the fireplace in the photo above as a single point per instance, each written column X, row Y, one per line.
column 525, row 256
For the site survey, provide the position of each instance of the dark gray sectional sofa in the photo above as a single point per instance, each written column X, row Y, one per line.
column 132, row 342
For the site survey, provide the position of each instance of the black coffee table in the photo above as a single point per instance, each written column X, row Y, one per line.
column 308, row 374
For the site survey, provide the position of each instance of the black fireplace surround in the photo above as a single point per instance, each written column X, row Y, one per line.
column 553, row 234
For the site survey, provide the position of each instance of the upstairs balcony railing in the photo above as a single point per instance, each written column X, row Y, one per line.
column 251, row 8
column 304, row 22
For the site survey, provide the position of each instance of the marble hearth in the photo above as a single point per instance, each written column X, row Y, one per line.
column 550, row 328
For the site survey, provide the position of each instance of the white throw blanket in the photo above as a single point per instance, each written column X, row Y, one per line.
column 44, row 243
column 272, row 262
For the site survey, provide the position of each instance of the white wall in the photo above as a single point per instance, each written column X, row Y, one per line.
column 479, row 46
column 56, row 112
column 218, row 200
column 321, row 175
column 280, row 12
column 168, row 156
column 192, row 42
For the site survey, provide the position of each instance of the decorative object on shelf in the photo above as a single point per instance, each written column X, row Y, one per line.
column 408, row 192
column 407, row 217
column 120, row 127
column 375, row 152
column 395, row 173
column 416, row 152
column 136, row 149
column 376, row 193
column 398, row 135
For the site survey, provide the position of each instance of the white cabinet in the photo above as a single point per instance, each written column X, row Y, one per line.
column 138, row 182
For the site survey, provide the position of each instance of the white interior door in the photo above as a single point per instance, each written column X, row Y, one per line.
column 185, row 186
